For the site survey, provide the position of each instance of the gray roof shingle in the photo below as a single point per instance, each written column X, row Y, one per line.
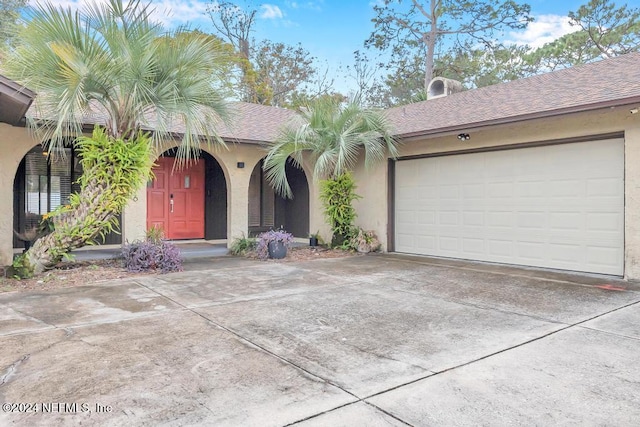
column 606, row 83
column 255, row 123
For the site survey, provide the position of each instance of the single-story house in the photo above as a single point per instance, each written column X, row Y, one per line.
column 542, row 171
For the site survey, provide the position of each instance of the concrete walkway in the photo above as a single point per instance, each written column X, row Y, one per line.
column 189, row 250
column 371, row 341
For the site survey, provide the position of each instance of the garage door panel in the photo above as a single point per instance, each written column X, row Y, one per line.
column 567, row 188
column 604, row 187
column 602, row 256
column 500, row 190
column 475, row 247
column 426, row 218
column 532, row 220
column 499, row 249
column 605, row 221
column 449, row 245
column 500, row 219
column 557, row 206
column 566, row 254
column 566, row 221
column 473, row 218
column 427, row 243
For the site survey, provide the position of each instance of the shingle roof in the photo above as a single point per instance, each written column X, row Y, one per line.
column 248, row 123
column 607, row 83
column 255, row 123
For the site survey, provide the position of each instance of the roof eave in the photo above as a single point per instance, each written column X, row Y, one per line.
column 624, row 102
column 15, row 100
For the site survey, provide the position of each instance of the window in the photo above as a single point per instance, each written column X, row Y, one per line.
column 48, row 182
column 44, row 183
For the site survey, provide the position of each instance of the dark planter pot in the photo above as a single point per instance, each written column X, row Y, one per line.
column 313, row 241
column 277, row 250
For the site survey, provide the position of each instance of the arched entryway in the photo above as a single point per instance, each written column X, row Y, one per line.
column 269, row 210
column 43, row 182
column 188, row 202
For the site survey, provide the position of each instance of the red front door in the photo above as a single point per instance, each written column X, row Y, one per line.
column 175, row 199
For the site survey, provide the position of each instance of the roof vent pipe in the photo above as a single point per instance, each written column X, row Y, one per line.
column 440, row 86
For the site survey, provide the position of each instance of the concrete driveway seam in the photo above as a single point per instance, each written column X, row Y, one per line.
column 544, row 336
column 347, row 405
column 610, row 333
column 258, row 346
column 480, row 306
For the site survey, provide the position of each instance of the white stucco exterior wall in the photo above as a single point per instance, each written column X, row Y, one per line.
column 372, row 186
column 15, row 142
column 632, row 198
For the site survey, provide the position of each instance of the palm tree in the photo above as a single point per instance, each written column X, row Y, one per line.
column 334, row 134
column 113, row 62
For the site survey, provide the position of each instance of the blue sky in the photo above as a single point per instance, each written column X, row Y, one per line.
column 331, row 30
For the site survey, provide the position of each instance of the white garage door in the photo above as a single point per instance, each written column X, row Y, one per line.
column 559, row 206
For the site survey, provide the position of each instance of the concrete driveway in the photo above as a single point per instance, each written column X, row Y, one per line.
column 372, row 341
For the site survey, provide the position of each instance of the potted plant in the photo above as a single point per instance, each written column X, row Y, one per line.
column 314, row 238
column 273, row 244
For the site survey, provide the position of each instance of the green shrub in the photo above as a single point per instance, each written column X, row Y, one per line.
column 337, row 196
column 155, row 234
column 241, row 245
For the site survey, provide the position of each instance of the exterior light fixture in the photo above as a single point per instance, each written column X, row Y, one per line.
column 464, row 136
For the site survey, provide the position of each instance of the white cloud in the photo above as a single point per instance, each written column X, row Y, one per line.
column 172, row 12
column 169, row 12
column 270, row 11
column 545, row 29
column 312, row 5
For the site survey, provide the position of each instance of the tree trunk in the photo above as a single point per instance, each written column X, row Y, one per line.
column 430, row 40
column 73, row 229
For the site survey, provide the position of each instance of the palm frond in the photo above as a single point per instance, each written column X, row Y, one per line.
column 113, row 61
column 335, row 136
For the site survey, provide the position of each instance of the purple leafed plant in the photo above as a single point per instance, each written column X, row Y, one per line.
column 152, row 255
column 262, row 247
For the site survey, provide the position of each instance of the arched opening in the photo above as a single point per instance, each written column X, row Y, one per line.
column 188, row 202
column 43, row 182
column 269, row 210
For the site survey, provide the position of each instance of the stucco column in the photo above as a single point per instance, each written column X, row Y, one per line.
column 632, row 199
column 317, row 221
column 134, row 217
column 15, row 142
column 238, row 203
column 238, row 186
column 6, row 209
